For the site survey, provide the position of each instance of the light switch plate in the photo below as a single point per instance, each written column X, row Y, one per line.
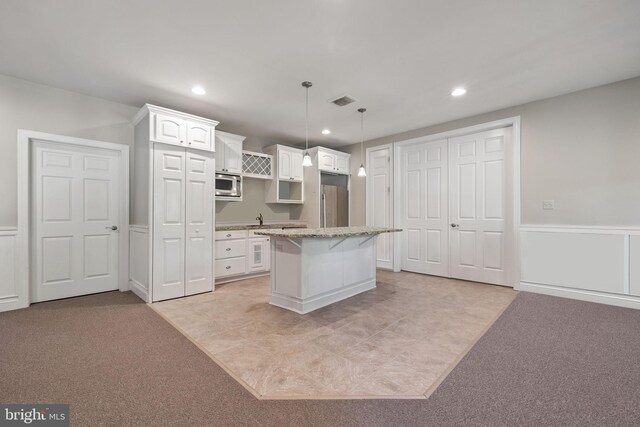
column 548, row 205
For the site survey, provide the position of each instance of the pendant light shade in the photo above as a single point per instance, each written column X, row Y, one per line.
column 361, row 170
column 306, row 159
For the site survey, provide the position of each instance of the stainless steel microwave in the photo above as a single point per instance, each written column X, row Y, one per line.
column 228, row 185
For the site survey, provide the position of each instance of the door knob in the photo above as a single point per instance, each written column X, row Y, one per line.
column 113, row 228
column 455, row 225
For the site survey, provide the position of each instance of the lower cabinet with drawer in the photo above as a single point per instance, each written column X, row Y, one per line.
column 241, row 254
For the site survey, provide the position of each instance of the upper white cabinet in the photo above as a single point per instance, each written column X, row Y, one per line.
column 169, row 129
column 199, row 135
column 342, row 163
column 287, row 186
column 229, row 152
column 257, row 165
column 177, row 128
column 290, row 163
column 333, row 161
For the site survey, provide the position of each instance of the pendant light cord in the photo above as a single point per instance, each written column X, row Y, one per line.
column 306, row 130
column 362, row 136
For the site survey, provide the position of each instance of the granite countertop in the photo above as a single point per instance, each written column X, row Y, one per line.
column 259, row 227
column 326, row 232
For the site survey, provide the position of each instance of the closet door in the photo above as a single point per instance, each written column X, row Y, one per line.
column 480, row 193
column 424, row 217
column 168, row 221
column 379, row 208
column 199, row 222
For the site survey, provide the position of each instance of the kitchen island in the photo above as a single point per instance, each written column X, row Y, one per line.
column 315, row 267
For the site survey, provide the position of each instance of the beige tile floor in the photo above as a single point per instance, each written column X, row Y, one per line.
column 398, row 340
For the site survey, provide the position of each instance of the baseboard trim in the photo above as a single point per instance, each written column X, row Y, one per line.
column 223, row 280
column 307, row 305
column 628, row 301
column 138, row 289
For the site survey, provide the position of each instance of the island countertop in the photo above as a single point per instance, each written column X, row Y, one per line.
column 227, row 227
column 305, row 233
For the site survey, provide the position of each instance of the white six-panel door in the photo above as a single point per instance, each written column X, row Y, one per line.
column 425, row 247
column 380, row 209
column 76, row 201
column 456, row 207
column 479, row 205
column 169, row 222
column 199, row 222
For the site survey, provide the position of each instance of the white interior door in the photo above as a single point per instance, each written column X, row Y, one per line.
column 75, row 204
column 379, row 204
column 425, row 247
column 199, row 222
column 169, row 205
column 480, row 201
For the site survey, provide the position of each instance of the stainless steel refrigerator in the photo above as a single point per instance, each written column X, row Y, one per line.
column 334, row 200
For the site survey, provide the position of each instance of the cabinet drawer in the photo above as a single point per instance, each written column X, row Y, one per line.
column 234, row 234
column 230, row 267
column 230, row 248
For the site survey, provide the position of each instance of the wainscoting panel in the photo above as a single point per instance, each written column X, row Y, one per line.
column 584, row 261
column 634, row 265
column 10, row 292
column 588, row 263
column 139, row 261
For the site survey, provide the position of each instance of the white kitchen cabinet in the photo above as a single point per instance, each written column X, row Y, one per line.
column 332, row 161
column 172, row 205
column 169, row 129
column 289, row 163
column 240, row 254
column 287, row 187
column 176, row 128
column 229, row 152
column 257, row 165
column 342, row 163
column 199, row 135
column 258, row 252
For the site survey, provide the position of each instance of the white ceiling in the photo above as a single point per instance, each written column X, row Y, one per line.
column 400, row 59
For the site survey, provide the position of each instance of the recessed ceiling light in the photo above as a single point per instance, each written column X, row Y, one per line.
column 459, row 91
column 198, row 90
column 326, row 131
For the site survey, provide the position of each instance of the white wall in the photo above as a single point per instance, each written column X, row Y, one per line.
column 581, row 150
column 25, row 105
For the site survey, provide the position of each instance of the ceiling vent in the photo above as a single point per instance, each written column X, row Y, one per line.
column 343, row 100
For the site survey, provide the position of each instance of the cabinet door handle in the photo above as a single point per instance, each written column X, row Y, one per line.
column 228, row 235
column 228, row 267
column 228, row 249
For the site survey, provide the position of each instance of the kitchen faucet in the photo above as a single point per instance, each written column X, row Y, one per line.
column 260, row 218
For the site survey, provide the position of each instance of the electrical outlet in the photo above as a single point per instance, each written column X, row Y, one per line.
column 548, row 205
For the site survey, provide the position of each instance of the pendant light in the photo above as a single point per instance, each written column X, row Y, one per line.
column 361, row 171
column 306, row 159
